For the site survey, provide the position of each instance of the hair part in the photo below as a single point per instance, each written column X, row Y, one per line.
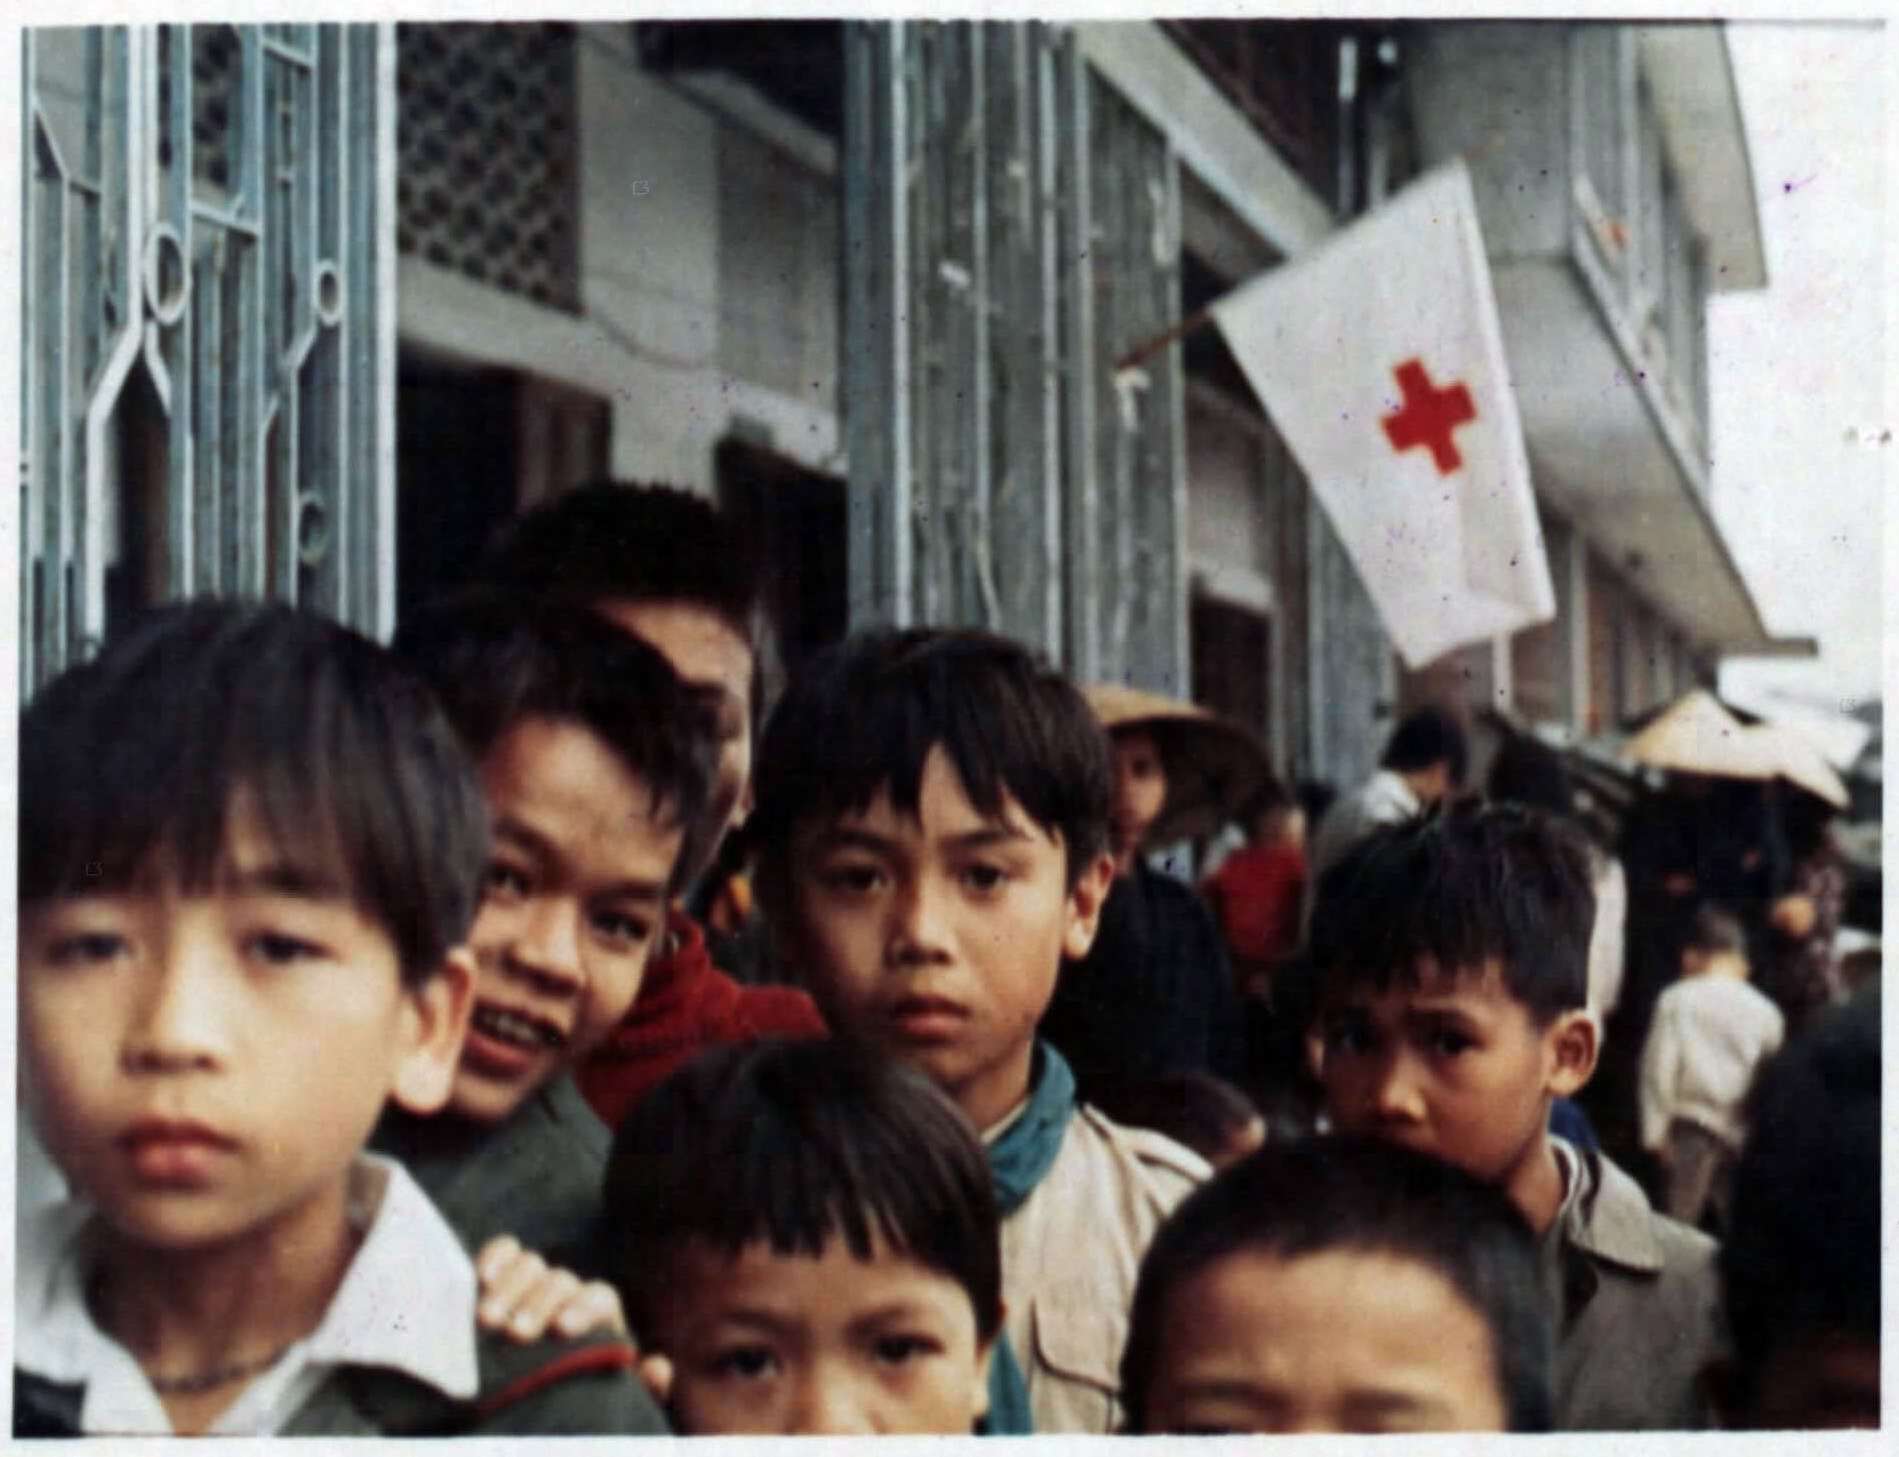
column 496, row 660
column 865, row 715
column 1464, row 889
column 131, row 766
column 794, row 1144
column 1360, row 1196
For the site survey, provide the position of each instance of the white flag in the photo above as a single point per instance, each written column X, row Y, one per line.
column 1380, row 360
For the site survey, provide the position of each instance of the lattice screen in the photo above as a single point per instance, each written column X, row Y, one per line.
column 487, row 135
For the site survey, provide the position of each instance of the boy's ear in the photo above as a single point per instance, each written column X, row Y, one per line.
column 437, row 1021
column 1085, row 900
column 1575, row 1044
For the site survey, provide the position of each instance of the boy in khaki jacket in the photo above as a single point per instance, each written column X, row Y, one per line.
column 931, row 818
column 1452, row 957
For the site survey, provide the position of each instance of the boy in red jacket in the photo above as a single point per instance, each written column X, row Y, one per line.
column 668, row 567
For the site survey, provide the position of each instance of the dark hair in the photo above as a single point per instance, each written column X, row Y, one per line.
column 1716, row 930
column 1465, row 887
column 1315, row 798
column 1268, row 798
column 1425, row 737
column 1193, row 1107
column 129, row 764
column 865, row 713
column 1801, row 1251
column 795, row 1143
column 1527, row 772
column 495, row 660
column 1293, row 1200
column 619, row 541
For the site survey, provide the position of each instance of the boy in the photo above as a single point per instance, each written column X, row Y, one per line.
column 1340, row 1285
column 1452, row 958
column 807, row 1232
column 249, row 848
column 674, row 571
column 1709, row 1036
column 594, row 760
column 1800, row 1267
column 932, row 829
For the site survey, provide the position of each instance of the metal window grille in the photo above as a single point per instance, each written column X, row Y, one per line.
column 1010, row 228
column 208, row 345
column 488, row 137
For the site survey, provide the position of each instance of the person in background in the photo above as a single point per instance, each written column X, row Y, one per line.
column 1259, row 889
column 670, row 568
column 1154, row 994
column 1214, row 1119
column 1800, row 1269
column 1423, row 765
column 1340, row 1285
column 1710, row 1034
column 1803, row 973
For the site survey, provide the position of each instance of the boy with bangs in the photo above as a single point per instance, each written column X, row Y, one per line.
column 932, row 817
column 596, row 762
column 806, row 1233
column 249, row 850
column 1340, row 1285
column 1452, row 961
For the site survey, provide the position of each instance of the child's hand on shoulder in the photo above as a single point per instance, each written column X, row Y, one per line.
column 526, row 1299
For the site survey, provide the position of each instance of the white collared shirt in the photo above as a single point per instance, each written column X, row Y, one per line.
column 406, row 1302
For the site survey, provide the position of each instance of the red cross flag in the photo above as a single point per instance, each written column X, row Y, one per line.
column 1380, row 360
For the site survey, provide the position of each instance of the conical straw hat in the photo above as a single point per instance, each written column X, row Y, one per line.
column 1212, row 763
column 1698, row 736
column 1795, row 758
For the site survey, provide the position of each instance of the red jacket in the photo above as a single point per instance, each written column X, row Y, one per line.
column 685, row 1005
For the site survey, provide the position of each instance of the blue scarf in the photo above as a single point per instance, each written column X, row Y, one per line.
column 1017, row 1161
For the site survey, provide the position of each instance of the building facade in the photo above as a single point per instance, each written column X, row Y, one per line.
column 868, row 283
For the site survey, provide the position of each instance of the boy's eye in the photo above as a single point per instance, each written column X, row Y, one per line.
column 277, row 949
column 852, row 878
column 746, row 1363
column 896, row 1350
column 86, row 948
column 625, row 932
column 984, row 877
column 503, row 882
column 1347, row 1034
column 1449, row 1042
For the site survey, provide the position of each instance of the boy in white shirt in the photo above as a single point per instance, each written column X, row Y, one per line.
column 1710, row 1034
column 250, row 849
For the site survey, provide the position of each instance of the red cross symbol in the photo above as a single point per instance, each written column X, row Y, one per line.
column 1429, row 416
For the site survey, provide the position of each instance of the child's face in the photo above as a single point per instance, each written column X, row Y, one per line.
column 1140, row 790
column 1455, row 1067
column 939, row 938
column 207, row 1066
column 704, row 651
column 1340, row 1341
column 770, row 1344
column 574, row 899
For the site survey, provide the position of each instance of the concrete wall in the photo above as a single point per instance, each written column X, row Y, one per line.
column 1497, row 94
column 691, row 319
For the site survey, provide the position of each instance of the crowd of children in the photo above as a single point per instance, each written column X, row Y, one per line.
column 394, row 1092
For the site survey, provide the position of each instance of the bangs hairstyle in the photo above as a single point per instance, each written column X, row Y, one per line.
column 1366, row 1197
column 1464, row 887
column 865, row 714
column 795, row 1144
column 130, row 766
column 495, row 660
column 618, row 541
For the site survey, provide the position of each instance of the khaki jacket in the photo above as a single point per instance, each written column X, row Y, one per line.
column 1069, row 1258
column 1639, row 1308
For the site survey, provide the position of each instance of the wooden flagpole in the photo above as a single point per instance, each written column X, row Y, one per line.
column 1140, row 353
